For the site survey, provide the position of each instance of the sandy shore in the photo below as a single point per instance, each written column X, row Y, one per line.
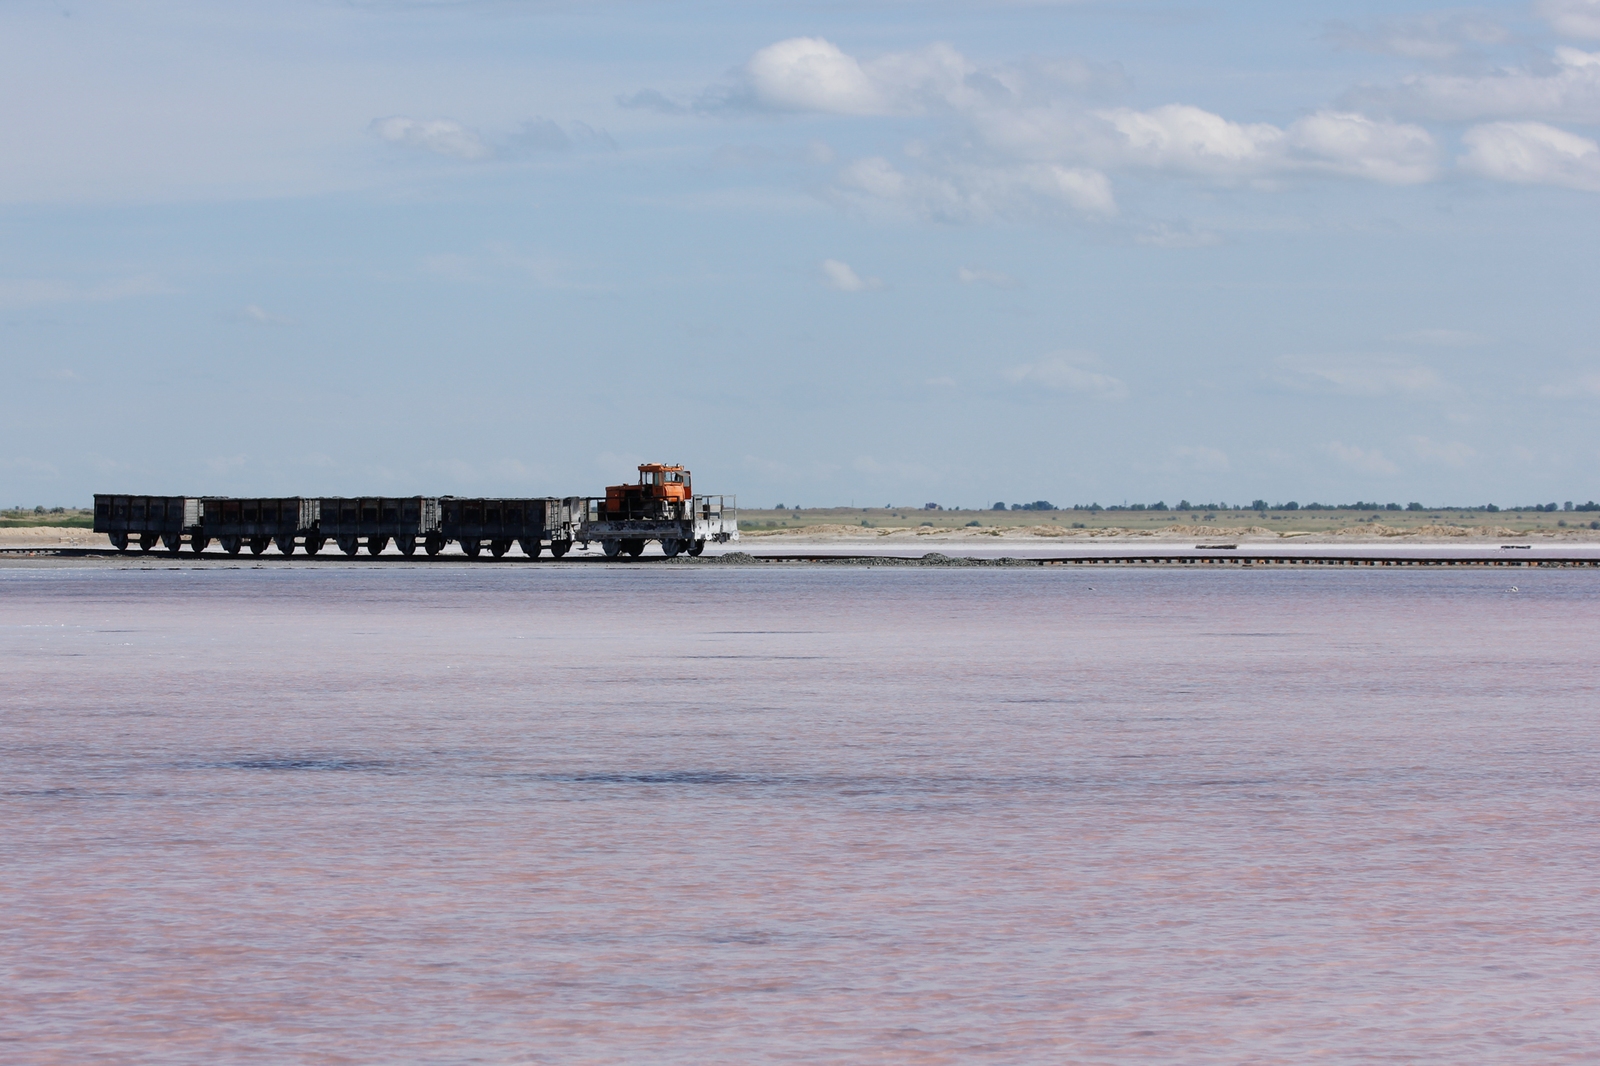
column 1374, row 532
column 52, row 537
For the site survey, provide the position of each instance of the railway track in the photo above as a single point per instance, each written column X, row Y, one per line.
column 1242, row 560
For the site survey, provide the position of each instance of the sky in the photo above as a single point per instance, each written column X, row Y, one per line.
column 884, row 252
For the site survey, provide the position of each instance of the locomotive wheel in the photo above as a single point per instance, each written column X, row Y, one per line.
column 558, row 548
column 349, row 545
column 634, row 546
column 498, row 548
column 433, row 546
column 285, row 544
column 531, row 547
column 375, row 545
column 407, row 546
column 697, row 547
column 471, row 547
column 259, row 544
column 670, row 547
column 612, row 548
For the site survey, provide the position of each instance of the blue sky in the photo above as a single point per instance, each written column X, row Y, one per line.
column 888, row 252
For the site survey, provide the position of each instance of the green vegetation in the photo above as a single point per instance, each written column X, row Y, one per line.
column 75, row 517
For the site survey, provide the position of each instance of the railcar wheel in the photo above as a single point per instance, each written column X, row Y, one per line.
column 198, row 543
column 146, row 541
column 558, row 548
column 348, row 544
column 612, row 548
column 670, row 547
column 259, row 544
column 172, row 542
column 230, row 544
column 285, row 544
column 375, row 545
column 531, row 547
column 634, row 546
column 407, row 546
column 498, row 548
column 314, row 545
column 119, row 541
column 433, row 545
column 697, row 547
column 472, row 547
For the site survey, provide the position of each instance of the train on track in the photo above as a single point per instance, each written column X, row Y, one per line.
column 662, row 507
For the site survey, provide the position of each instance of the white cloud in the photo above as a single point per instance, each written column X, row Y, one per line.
column 1569, row 90
column 1024, row 138
column 1190, row 140
column 1360, row 375
column 947, row 191
column 1068, row 372
column 1367, row 461
column 442, row 136
column 1441, row 338
column 841, row 276
column 1532, row 153
column 1574, row 18
column 813, row 74
column 1199, row 457
column 1181, row 137
column 992, row 278
column 1454, row 453
column 1342, row 142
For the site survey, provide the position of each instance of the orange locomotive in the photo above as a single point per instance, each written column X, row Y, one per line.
column 661, row 507
column 661, row 493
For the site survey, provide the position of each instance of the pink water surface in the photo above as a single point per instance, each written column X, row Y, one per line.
column 833, row 816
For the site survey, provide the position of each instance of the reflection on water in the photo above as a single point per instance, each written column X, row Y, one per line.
column 585, row 815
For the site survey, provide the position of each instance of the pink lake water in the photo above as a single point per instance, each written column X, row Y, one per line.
column 835, row 815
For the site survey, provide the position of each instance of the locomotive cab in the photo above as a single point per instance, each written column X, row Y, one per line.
column 662, row 492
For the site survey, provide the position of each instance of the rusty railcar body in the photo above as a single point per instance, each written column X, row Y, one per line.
column 146, row 520
column 353, row 522
column 258, row 522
